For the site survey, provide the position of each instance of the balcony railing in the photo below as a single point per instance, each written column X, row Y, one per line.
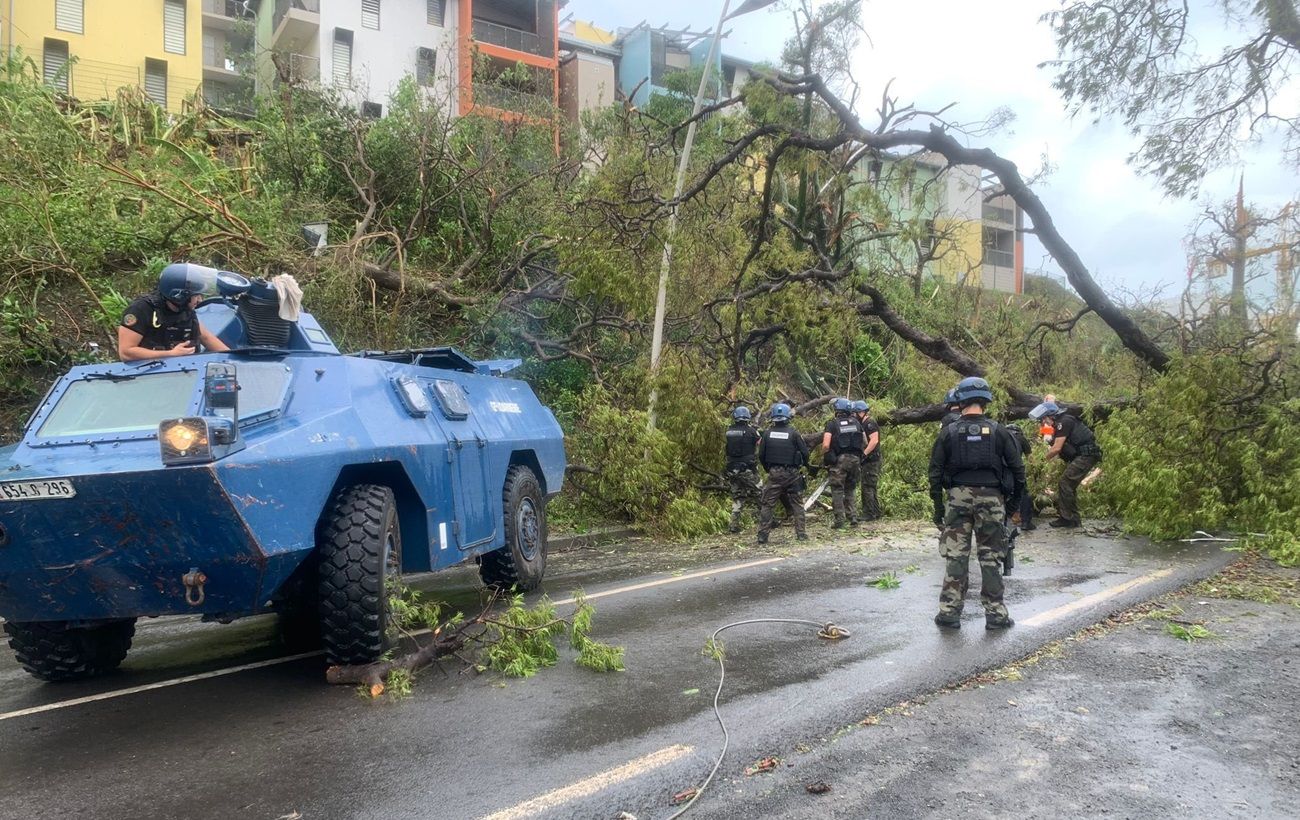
column 303, row 68
column 994, row 213
column 1001, row 259
column 511, row 38
column 510, row 99
column 233, row 9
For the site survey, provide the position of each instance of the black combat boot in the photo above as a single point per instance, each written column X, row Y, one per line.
column 998, row 622
column 947, row 620
column 762, row 539
column 1064, row 523
column 803, row 536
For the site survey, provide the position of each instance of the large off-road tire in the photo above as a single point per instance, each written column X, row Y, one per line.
column 359, row 544
column 55, row 651
column 521, row 563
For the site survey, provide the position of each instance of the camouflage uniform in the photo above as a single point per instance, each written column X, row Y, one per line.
column 744, row 489
column 979, row 465
column 844, row 475
column 977, row 511
column 782, row 485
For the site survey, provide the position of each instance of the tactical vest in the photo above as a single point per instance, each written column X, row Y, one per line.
column 1081, row 442
column 171, row 328
column 779, row 449
column 973, row 457
column 742, row 444
column 848, row 436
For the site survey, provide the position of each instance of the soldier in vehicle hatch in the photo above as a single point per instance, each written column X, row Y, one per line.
column 781, row 451
column 977, row 462
column 1073, row 441
column 843, row 443
column 163, row 324
column 742, row 464
column 872, row 462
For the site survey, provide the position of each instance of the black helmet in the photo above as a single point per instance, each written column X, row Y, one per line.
column 179, row 282
column 972, row 387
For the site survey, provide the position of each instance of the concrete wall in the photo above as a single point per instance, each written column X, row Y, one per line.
column 119, row 35
column 381, row 58
column 586, row 82
column 634, row 67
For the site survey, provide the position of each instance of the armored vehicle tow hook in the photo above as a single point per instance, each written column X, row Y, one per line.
column 194, row 581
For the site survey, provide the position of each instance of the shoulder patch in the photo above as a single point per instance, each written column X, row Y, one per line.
column 129, row 320
column 986, row 430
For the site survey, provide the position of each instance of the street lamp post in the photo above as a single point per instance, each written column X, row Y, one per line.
column 661, row 300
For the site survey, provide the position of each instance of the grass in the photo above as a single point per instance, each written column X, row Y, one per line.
column 1254, row 578
column 887, row 581
column 1188, row 632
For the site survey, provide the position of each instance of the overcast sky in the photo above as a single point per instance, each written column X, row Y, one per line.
column 983, row 55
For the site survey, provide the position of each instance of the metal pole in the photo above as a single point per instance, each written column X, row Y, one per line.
column 661, row 301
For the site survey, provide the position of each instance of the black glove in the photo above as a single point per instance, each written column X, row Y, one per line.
column 937, row 497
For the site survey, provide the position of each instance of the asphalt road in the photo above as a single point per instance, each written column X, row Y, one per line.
column 211, row 721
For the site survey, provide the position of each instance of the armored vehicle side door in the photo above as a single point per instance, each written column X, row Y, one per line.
column 475, row 501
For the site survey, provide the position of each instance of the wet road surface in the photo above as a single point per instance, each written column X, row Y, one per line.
column 274, row 740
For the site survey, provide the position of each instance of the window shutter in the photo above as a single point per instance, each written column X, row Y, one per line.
column 69, row 15
column 436, row 11
column 155, row 81
column 370, row 13
column 341, row 59
column 174, row 26
column 54, row 64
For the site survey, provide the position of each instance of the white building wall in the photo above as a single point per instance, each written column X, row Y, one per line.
column 963, row 199
column 381, row 58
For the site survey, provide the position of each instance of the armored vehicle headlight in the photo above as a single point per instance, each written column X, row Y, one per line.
column 184, row 441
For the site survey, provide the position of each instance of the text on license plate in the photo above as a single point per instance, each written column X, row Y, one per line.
column 32, row 490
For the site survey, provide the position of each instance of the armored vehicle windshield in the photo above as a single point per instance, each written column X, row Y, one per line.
column 119, row 404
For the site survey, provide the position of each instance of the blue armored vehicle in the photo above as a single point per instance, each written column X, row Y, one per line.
column 281, row 476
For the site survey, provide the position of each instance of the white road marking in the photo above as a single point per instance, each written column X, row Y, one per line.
column 217, row 673
column 1097, row 597
column 593, row 784
column 148, row 687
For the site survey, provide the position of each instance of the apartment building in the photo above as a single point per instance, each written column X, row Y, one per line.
column 89, row 49
column 971, row 232
column 598, row 67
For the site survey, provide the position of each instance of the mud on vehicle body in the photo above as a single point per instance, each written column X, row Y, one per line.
column 289, row 479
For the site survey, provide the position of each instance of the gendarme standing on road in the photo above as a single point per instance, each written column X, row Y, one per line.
column 782, row 452
column 977, row 462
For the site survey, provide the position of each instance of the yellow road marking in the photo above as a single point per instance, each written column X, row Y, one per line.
column 593, row 784
column 217, row 673
column 1096, row 597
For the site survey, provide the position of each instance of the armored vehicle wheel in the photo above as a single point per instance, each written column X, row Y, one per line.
column 360, row 548
column 55, row 651
column 522, row 561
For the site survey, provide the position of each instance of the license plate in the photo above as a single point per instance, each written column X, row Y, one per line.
column 33, row 490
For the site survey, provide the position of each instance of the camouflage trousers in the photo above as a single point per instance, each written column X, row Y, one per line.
column 844, row 484
column 981, row 512
column 1067, row 492
column 744, row 490
column 871, row 481
column 783, row 485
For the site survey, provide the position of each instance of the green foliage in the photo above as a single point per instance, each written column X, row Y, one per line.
column 1188, row 632
column 888, row 580
column 714, row 649
column 522, row 638
column 1193, row 456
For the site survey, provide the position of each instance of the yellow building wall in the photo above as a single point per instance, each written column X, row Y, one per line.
column 119, row 36
column 965, row 243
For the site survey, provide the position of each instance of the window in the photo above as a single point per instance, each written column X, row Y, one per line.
column 92, row 407
column 370, row 14
column 451, row 399
column 372, row 110
column 69, row 15
column 262, row 390
column 341, row 59
column 174, row 26
column 54, row 65
column 210, row 49
column 436, row 11
column 155, row 81
column 425, row 59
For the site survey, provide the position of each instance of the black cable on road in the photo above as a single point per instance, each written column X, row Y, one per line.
column 827, row 631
